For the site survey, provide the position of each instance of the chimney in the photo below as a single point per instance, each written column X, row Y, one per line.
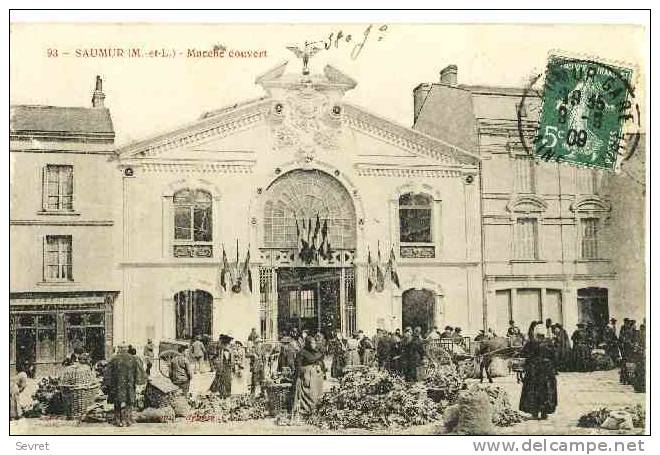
column 99, row 96
column 449, row 75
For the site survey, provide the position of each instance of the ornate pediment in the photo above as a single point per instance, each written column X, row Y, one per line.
column 305, row 120
column 527, row 204
column 304, row 114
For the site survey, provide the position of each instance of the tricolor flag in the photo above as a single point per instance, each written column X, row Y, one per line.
column 391, row 265
column 370, row 274
column 225, row 270
column 246, row 272
column 380, row 276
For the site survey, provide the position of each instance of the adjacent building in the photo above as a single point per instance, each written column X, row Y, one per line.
column 63, row 196
column 549, row 237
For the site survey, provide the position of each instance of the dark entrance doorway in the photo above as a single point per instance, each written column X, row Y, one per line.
column 308, row 299
column 418, row 309
column 194, row 311
column 593, row 306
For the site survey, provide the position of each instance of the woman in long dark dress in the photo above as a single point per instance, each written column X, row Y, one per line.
column 581, row 349
column 223, row 366
column 562, row 345
column 310, row 373
column 539, row 390
column 336, row 350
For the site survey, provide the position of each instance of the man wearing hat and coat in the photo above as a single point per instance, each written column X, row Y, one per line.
column 122, row 374
column 258, row 361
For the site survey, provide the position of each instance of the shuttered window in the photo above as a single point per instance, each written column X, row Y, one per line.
column 57, row 258
column 589, row 238
column 58, row 188
column 526, row 238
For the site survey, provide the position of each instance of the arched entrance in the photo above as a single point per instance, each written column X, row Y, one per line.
column 418, row 309
column 309, row 240
column 193, row 313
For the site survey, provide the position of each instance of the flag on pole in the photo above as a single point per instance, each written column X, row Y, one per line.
column 324, row 239
column 298, row 239
column 317, row 228
column 370, row 277
column 391, row 265
column 380, row 276
column 246, row 272
column 225, row 269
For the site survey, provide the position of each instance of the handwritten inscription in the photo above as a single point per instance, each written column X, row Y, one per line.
column 340, row 39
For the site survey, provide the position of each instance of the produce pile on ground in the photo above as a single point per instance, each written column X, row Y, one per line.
column 468, row 368
column 211, row 408
column 595, row 418
column 374, row 399
column 638, row 412
column 445, row 378
column 47, row 399
column 504, row 415
column 471, row 415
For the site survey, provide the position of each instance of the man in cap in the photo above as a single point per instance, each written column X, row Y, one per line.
column 181, row 372
column 258, row 362
column 148, row 354
column 198, row 351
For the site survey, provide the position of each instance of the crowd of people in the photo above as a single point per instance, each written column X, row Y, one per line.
column 547, row 350
column 309, row 359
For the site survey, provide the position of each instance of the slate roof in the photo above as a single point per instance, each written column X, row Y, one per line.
column 453, row 112
column 60, row 120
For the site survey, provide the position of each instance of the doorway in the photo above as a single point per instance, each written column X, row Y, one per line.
column 593, row 306
column 308, row 299
column 418, row 309
column 194, row 312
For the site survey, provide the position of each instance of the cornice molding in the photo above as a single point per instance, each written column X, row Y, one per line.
column 51, row 222
column 368, row 170
column 591, row 203
column 213, row 127
column 196, row 166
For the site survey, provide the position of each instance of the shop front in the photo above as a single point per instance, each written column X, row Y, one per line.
column 45, row 328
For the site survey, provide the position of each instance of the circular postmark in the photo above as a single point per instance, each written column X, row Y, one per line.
column 584, row 110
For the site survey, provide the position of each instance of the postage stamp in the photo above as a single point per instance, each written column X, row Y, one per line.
column 585, row 105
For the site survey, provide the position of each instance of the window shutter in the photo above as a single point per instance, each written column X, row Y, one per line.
column 44, row 188
column 44, row 247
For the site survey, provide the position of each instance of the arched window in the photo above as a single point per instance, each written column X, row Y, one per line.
column 415, row 215
column 193, row 223
column 297, row 199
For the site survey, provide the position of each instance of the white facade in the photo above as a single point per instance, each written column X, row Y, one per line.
column 301, row 130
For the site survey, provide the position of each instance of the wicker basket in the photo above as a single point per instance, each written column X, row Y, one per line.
column 79, row 387
column 437, row 394
column 279, row 398
column 77, row 400
column 160, row 392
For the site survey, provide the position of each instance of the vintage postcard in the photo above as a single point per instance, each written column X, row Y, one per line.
column 331, row 228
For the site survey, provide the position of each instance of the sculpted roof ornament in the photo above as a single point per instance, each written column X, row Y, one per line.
column 307, row 52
